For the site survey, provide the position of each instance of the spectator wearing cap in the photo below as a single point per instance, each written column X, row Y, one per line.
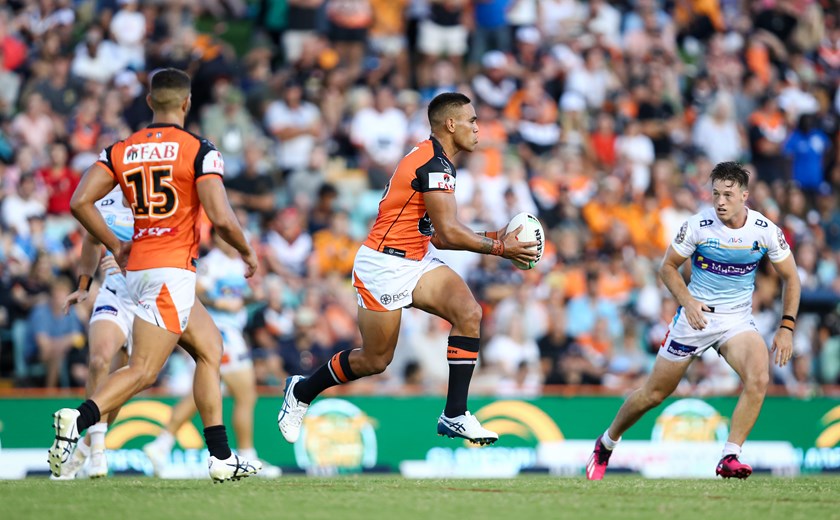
column 295, row 124
column 529, row 56
column 490, row 30
column 442, row 34
column 493, row 86
column 229, row 126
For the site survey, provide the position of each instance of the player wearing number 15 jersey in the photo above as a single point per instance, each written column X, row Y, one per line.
column 167, row 174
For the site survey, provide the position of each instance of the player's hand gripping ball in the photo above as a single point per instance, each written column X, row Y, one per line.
column 532, row 231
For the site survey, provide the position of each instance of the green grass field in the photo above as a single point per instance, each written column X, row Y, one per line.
column 368, row 497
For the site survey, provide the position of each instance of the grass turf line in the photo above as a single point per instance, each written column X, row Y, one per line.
column 368, row 498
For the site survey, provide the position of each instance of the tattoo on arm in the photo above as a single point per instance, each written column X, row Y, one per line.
column 486, row 245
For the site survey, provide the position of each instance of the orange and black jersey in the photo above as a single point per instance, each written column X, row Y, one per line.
column 158, row 168
column 402, row 227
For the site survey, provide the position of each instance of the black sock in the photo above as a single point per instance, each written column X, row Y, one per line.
column 89, row 415
column 334, row 372
column 217, row 441
column 461, row 355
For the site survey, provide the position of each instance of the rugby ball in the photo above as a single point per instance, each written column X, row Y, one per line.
column 532, row 231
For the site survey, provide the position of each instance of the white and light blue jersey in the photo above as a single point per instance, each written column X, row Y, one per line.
column 222, row 276
column 118, row 216
column 724, row 260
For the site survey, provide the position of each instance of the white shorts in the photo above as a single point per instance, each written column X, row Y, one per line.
column 164, row 296
column 236, row 355
column 439, row 40
column 114, row 304
column 386, row 283
column 684, row 343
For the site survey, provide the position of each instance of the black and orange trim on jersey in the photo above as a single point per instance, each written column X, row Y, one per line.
column 402, row 223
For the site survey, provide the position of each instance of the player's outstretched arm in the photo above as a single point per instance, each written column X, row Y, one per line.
column 211, row 193
column 669, row 272
column 783, row 340
column 95, row 184
column 450, row 233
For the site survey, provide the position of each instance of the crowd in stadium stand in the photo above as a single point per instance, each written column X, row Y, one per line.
column 602, row 118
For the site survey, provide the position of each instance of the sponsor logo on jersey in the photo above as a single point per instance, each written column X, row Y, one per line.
column 706, row 222
column 781, row 236
column 107, row 202
column 105, row 309
column 755, row 247
column 760, row 223
column 150, row 152
column 154, row 232
column 213, row 163
column 441, row 181
column 735, row 240
column 724, row 268
column 681, row 235
column 713, row 243
column 446, row 167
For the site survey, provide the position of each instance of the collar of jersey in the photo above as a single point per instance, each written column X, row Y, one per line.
column 163, row 125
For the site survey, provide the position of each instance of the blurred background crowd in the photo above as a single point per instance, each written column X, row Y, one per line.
column 602, row 118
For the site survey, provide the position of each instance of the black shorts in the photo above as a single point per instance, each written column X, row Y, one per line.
column 344, row 34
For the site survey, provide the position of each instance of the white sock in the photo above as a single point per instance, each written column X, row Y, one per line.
column 97, row 436
column 82, row 449
column 607, row 441
column 730, row 448
column 165, row 440
column 247, row 453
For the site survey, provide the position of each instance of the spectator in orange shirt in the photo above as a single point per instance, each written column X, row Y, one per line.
column 333, row 249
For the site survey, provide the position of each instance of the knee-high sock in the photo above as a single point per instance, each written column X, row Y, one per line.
column 462, row 355
column 334, row 372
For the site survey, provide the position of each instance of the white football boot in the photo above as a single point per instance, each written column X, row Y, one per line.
column 232, row 468
column 98, row 464
column 466, row 427
column 157, row 456
column 75, row 465
column 66, row 437
column 291, row 413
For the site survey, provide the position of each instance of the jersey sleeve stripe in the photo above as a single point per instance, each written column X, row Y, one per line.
column 210, row 175
column 106, row 168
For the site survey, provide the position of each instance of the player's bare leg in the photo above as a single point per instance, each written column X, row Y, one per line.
column 443, row 293
column 380, row 331
column 203, row 341
column 747, row 354
column 151, row 347
column 105, row 340
column 663, row 380
column 242, row 386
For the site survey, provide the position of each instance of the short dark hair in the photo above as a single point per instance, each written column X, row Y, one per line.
column 440, row 106
column 168, row 88
column 731, row 171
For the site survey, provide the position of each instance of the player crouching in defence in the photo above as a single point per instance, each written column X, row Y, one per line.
column 725, row 244
column 394, row 269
